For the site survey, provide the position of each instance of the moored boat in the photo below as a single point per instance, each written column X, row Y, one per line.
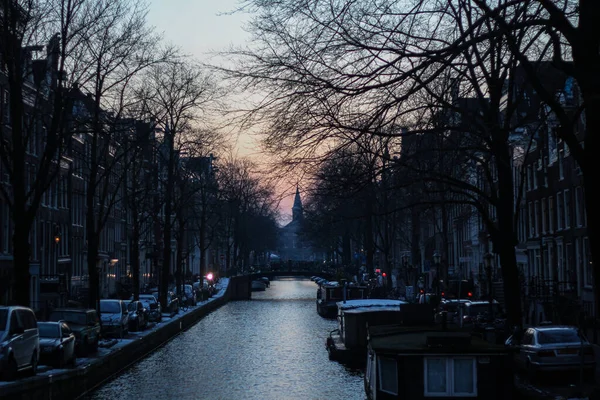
column 423, row 362
column 348, row 343
column 330, row 293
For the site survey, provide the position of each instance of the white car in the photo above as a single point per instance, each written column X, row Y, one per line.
column 19, row 341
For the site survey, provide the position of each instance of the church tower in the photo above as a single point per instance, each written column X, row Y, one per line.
column 297, row 211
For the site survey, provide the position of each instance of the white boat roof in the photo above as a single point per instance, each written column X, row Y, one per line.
column 370, row 305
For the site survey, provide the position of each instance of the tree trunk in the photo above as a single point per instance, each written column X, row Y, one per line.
column 369, row 245
column 505, row 237
column 94, row 274
column 179, row 278
column 92, row 219
column 346, row 250
column 166, row 267
column 202, row 243
column 591, row 200
column 21, row 249
column 135, row 257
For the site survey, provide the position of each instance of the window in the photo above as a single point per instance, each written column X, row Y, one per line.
column 587, row 263
column 559, row 211
column 531, row 230
column 551, row 214
column 567, row 208
column 388, row 375
column 544, row 215
column 562, row 276
column 446, row 376
column 537, row 218
column 579, row 206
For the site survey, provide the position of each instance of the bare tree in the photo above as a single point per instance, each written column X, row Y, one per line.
column 245, row 200
column 372, row 68
column 119, row 48
column 38, row 95
column 177, row 95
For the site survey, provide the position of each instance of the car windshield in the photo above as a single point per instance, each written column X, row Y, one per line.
column 49, row 330
column 132, row 306
column 110, row 307
column 450, row 307
column 558, row 336
column 3, row 319
column 73, row 317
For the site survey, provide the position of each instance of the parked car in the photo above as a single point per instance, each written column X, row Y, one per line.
column 451, row 308
column 553, row 348
column 138, row 318
column 153, row 306
column 115, row 317
column 188, row 295
column 57, row 344
column 85, row 325
column 19, row 341
column 479, row 311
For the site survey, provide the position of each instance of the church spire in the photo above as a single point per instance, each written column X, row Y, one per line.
column 297, row 209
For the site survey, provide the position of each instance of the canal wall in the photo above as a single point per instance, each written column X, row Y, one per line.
column 75, row 382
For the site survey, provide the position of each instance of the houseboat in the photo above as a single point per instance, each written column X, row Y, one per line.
column 348, row 343
column 425, row 362
column 330, row 293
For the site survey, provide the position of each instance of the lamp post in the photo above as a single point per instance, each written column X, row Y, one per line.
column 61, row 275
column 487, row 260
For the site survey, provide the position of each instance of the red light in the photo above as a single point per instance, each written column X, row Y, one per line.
column 443, row 294
column 384, row 275
column 377, row 271
column 469, row 294
column 422, row 291
column 209, row 276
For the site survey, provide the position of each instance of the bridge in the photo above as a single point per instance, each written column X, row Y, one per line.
column 292, row 272
column 240, row 285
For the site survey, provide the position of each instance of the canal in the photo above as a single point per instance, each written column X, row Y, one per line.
column 270, row 347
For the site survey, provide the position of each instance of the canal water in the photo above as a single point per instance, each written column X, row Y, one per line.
column 270, row 347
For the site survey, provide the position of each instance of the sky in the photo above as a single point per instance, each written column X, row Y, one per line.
column 200, row 27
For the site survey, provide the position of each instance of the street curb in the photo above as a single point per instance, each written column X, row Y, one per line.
column 76, row 382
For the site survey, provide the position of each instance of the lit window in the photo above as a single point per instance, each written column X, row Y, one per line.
column 450, row 377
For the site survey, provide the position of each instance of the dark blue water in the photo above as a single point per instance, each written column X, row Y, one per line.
column 270, row 347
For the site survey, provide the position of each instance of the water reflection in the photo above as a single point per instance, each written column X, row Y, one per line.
column 271, row 347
